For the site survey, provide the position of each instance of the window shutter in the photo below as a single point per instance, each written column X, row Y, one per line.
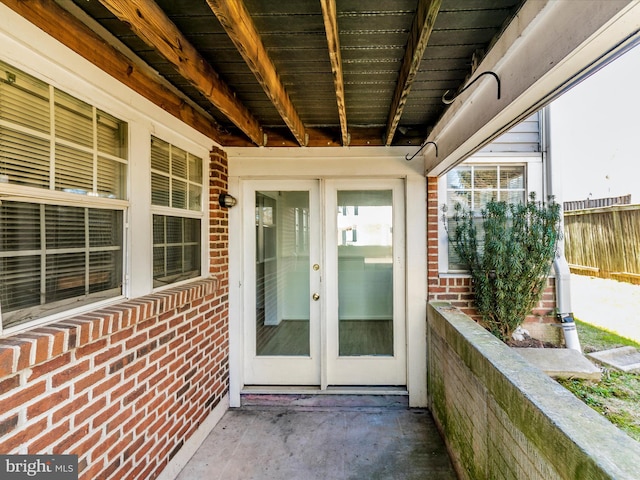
column 64, row 227
column 178, row 162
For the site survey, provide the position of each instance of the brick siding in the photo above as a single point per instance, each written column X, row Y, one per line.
column 458, row 291
column 125, row 386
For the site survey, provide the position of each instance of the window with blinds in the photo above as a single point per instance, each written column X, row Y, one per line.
column 58, row 250
column 473, row 186
column 176, row 198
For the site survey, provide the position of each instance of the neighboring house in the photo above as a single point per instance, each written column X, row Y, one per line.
column 508, row 169
column 135, row 309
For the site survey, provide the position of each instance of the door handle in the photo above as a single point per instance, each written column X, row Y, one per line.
column 316, row 297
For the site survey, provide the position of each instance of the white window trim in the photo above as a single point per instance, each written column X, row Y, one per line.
column 201, row 214
column 33, row 51
column 533, row 183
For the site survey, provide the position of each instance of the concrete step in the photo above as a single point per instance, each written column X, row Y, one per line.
column 561, row 363
column 625, row 359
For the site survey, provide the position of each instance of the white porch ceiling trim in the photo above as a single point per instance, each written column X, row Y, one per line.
column 549, row 46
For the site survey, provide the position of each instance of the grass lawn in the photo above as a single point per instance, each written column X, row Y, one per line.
column 617, row 395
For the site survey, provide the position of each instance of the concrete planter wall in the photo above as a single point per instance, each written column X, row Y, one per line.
column 504, row 418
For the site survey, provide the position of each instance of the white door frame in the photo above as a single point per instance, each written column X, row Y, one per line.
column 279, row 370
column 369, row 162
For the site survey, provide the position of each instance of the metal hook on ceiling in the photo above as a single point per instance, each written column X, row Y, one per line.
column 448, row 101
column 409, row 158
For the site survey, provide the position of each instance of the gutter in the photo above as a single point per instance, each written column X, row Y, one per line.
column 553, row 187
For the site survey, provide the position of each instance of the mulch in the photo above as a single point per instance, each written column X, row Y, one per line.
column 531, row 343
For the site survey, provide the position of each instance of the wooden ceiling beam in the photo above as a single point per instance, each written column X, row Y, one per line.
column 330, row 17
column 421, row 29
column 153, row 26
column 238, row 24
column 71, row 32
column 328, row 137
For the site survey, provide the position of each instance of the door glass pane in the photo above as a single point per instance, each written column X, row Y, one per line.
column 365, row 272
column 282, row 273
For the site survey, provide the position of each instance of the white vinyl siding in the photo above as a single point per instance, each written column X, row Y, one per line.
column 522, row 138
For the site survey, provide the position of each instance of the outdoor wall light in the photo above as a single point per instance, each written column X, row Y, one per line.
column 226, row 201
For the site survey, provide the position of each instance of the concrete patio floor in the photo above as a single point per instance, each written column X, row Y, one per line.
column 322, row 437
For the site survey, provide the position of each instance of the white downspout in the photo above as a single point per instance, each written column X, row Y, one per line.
column 553, row 186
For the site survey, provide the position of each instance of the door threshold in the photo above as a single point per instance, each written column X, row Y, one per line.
column 331, row 390
column 333, row 397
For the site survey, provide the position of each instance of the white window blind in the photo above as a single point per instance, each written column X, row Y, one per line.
column 51, row 253
column 176, row 249
column 78, row 149
column 56, row 252
column 176, row 197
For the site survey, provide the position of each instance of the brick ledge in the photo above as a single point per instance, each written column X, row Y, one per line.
column 26, row 349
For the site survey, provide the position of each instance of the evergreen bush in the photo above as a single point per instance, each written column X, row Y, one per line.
column 509, row 269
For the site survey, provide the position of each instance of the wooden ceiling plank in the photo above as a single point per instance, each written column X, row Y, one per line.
column 153, row 26
column 237, row 21
column 71, row 32
column 421, row 29
column 330, row 17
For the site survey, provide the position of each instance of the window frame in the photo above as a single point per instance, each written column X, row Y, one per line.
column 170, row 211
column 533, row 182
column 32, row 53
column 50, row 193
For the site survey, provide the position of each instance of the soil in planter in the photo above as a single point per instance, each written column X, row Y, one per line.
column 532, row 343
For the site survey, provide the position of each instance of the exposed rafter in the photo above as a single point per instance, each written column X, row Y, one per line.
column 68, row 30
column 152, row 25
column 421, row 29
column 236, row 20
column 390, row 85
column 331, row 27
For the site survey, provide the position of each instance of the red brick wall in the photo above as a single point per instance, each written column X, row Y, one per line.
column 458, row 290
column 123, row 387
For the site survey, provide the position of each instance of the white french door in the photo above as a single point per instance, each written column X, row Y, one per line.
column 365, row 299
column 324, row 282
column 282, row 238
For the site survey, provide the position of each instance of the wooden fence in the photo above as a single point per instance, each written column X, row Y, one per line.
column 596, row 203
column 604, row 242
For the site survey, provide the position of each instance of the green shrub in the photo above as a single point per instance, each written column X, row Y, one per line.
column 509, row 271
